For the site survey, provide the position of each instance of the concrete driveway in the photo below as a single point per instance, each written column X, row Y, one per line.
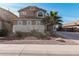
column 69, row 35
column 37, row 50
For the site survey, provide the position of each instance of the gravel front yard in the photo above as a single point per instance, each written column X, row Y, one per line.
column 33, row 40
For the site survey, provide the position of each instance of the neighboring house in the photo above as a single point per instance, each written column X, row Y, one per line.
column 30, row 18
column 71, row 27
column 1, row 20
column 6, row 19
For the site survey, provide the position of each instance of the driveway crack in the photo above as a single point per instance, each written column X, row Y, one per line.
column 21, row 51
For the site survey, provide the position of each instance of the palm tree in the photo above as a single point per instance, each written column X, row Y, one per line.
column 46, row 22
column 51, row 21
column 55, row 20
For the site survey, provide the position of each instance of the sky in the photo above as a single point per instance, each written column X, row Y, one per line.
column 68, row 11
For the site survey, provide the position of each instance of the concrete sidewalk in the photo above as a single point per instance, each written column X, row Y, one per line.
column 37, row 50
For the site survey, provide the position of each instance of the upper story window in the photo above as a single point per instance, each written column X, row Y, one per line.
column 17, row 22
column 40, row 14
column 33, row 22
column 22, row 13
column 38, row 22
column 24, row 22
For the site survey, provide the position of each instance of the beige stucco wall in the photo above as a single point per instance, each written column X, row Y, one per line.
column 28, row 28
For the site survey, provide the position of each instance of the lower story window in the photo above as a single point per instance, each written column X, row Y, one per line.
column 24, row 22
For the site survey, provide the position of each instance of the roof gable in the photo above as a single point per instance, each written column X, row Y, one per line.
column 33, row 8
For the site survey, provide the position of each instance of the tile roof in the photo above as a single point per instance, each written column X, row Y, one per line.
column 8, row 11
column 32, row 7
column 74, row 23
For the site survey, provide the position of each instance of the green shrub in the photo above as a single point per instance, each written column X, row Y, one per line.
column 20, row 34
column 3, row 32
column 39, row 34
column 34, row 33
column 28, row 34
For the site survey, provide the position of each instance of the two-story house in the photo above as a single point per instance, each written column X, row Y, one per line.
column 30, row 18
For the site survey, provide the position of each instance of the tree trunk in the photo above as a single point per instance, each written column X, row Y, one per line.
column 54, row 29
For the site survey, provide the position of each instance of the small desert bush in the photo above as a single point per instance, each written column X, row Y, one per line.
column 39, row 35
column 19, row 34
column 34, row 33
